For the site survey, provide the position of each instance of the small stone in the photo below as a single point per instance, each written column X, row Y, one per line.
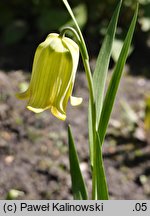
column 9, row 159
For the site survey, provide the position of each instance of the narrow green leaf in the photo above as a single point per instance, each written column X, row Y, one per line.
column 115, row 80
column 100, row 73
column 78, row 185
column 100, row 177
column 90, row 129
column 81, row 16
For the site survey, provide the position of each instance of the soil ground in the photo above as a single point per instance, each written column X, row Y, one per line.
column 34, row 149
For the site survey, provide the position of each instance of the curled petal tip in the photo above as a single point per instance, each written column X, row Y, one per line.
column 22, row 95
column 36, row 110
column 75, row 101
column 57, row 114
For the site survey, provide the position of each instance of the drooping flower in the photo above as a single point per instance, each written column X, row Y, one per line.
column 53, row 74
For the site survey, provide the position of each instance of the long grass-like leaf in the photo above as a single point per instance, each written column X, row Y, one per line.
column 100, row 177
column 100, row 73
column 115, row 80
column 78, row 185
column 90, row 128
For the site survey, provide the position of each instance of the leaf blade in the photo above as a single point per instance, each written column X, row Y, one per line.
column 78, row 185
column 100, row 73
column 115, row 80
column 101, row 183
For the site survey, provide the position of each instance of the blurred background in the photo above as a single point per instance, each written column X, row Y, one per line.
column 33, row 148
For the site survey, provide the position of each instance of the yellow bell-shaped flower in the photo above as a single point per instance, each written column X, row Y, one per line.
column 53, row 74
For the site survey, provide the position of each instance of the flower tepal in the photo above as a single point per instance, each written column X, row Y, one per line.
column 53, row 74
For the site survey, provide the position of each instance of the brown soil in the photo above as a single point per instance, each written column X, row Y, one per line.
column 34, row 149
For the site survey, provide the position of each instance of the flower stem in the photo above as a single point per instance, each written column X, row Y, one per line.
column 85, row 58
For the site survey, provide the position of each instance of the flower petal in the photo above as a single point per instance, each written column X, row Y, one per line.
column 23, row 95
column 75, row 101
column 58, row 114
column 53, row 74
column 36, row 110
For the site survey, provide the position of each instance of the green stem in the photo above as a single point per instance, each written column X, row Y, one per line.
column 77, row 27
column 85, row 59
column 92, row 102
column 84, row 52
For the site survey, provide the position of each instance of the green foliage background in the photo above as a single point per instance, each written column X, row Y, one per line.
column 28, row 22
